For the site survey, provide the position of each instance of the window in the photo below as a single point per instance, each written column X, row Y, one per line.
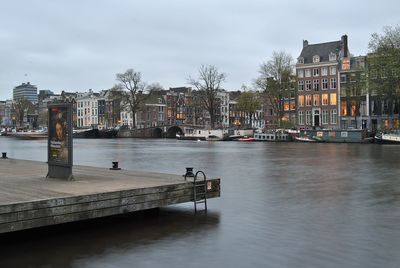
column 301, row 118
column 301, row 85
column 316, row 100
column 300, row 60
column 308, row 100
column 308, row 118
column 315, row 58
column 332, row 56
column 333, row 83
column 332, row 98
column 300, row 73
column 333, row 117
column 301, row 100
column 308, row 85
column 286, row 106
column 343, row 105
column 315, row 72
column 324, row 117
column 324, row 84
column 316, row 85
column 324, row 71
column 343, row 78
column 353, row 108
column 292, row 105
column 308, row 73
column 332, row 70
column 324, row 99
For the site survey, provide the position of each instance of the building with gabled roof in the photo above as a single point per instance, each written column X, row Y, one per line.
column 317, row 71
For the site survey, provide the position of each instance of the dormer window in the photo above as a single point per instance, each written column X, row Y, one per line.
column 315, row 59
column 300, row 60
column 332, row 56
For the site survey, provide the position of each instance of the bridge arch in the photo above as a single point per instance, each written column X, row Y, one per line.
column 172, row 131
column 157, row 133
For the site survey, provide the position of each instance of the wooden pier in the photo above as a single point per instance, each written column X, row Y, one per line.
column 28, row 199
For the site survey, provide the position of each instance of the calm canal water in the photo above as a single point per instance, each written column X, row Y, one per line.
column 282, row 205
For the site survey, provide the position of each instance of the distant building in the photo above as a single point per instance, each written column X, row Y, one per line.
column 87, row 109
column 317, row 72
column 26, row 91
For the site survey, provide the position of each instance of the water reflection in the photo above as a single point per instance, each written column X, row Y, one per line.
column 85, row 243
column 282, row 205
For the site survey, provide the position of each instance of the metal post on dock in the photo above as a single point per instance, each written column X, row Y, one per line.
column 189, row 173
column 4, row 155
column 115, row 166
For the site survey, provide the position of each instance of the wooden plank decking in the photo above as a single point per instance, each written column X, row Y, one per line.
column 29, row 200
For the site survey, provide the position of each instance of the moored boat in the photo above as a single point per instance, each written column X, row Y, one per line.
column 85, row 133
column 388, row 138
column 34, row 135
column 245, row 138
column 305, row 139
column 272, row 136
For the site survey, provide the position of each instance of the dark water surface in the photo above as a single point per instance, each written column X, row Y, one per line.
column 281, row 205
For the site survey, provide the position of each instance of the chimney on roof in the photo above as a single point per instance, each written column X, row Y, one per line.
column 344, row 44
column 305, row 43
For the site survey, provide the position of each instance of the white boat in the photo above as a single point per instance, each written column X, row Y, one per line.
column 388, row 138
column 305, row 139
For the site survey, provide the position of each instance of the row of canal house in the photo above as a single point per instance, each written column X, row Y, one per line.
column 334, row 92
column 176, row 106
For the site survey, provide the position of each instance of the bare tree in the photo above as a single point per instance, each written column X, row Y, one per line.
column 208, row 84
column 275, row 81
column 130, row 90
column 20, row 108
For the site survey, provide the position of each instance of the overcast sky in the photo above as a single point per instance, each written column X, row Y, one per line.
column 76, row 45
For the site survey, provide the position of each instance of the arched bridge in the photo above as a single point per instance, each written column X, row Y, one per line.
column 159, row 131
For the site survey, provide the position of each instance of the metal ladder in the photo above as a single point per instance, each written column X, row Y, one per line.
column 200, row 191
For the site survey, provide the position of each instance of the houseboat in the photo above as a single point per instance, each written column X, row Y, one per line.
column 272, row 136
column 337, row 135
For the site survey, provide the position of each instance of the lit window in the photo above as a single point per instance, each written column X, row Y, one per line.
column 301, row 100
column 333, row 98
column 324, row 99
column 316, row 100
column 308, row 100
column 343, row 105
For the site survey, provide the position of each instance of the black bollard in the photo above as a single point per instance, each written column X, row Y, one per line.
column 4, row 155
column 115, row 166
column 189, row 173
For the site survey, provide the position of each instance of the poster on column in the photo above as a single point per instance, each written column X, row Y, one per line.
column 60, row 140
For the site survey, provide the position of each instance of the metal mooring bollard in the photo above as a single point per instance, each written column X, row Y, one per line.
column 189, row 173
column 4, row 155
column 115, row 166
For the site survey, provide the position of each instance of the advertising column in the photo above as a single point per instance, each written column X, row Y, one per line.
column 59, row 149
